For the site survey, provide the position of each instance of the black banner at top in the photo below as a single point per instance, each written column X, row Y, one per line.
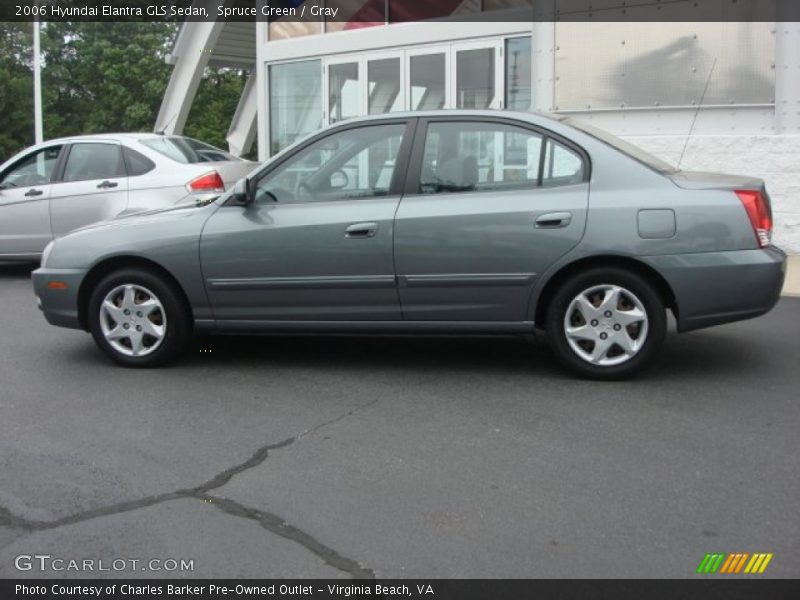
column 396, row 11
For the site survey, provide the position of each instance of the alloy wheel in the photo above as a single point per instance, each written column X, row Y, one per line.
column 606, row 325
column 133, row 320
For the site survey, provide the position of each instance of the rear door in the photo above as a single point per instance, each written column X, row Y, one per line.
column 24, row 194
column 92, row 186
column 489, row 204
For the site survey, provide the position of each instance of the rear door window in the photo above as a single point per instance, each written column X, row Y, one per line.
column 89, row 161
column 474, row 156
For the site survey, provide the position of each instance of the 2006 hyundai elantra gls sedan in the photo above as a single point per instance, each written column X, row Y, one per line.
column 478, row 222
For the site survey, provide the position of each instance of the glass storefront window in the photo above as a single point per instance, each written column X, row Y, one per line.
column 475, row 78
column 295, row 101
column 383, row 79
column 427, row 81
column 518, row 73
column 343, row 90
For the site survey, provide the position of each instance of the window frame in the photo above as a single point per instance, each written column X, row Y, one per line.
column 62, row 166
column 412, row 183
column 401, row 164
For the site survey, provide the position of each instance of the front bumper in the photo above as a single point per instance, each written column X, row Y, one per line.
column 59, row 305
column 712, row 288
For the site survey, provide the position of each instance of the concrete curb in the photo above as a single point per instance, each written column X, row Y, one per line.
column 791, row 286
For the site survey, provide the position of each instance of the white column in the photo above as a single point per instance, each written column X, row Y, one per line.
column 197, row 41
column 262, row 117
column 243, row 126
column 37, row 86
column 543, row 49
column 787, row 77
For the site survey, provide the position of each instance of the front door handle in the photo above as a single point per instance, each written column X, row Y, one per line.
column 553, row 220
column 107, row 184
column 361, row 230
column 31, row 193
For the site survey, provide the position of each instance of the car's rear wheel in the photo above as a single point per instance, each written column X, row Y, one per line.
column 606, row 323
column 138, row 319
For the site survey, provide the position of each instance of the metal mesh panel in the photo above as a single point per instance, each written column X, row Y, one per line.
column 613, row 65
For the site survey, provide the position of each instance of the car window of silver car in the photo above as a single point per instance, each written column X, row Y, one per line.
column 88, row 161
column 354, row 163
column 34, row 169
column 476, row 156
column 135, row 163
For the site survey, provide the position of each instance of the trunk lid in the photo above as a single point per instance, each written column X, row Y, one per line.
column 696, row 180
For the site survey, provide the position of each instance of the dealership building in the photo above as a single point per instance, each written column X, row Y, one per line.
column 704, row 95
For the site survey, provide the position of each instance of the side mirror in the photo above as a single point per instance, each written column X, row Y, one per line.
column 242, row 194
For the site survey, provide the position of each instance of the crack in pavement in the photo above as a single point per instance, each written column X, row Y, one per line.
column 268, row 521
column 278, row 526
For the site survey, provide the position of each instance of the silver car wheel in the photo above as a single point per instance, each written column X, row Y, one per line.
column 133, row 320
column 606, row 325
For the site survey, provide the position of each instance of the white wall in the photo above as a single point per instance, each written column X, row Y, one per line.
column 774, row 158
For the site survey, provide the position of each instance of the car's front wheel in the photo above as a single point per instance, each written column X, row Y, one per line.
column 138, row 319
column 606, row 323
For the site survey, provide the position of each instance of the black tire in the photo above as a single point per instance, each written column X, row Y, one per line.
column 178, row 327
column 646, row 294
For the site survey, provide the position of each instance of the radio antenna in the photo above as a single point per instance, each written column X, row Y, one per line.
column 697, row 112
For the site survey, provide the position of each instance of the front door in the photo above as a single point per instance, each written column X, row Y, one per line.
column 316, row 245
column 490, row 204
column 24, row 210
column 93, row 186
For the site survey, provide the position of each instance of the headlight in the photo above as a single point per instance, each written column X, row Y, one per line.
column 46, row 252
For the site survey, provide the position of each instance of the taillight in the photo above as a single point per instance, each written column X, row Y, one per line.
column 759, row 213
column 210, row 182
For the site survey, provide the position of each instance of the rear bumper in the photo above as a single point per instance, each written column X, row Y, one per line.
column 712, row 288
column 60, row 306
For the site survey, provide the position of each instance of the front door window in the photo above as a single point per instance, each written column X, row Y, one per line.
column 34, row 169
column 355, row 163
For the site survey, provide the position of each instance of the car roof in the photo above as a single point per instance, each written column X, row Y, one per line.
column 117, row 137
column 462, row 112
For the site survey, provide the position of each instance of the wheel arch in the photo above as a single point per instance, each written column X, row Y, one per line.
column 564, row 273
column 115, row 263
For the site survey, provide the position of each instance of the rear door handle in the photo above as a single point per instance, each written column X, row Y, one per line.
column 553, row 220
column 361, row 230
column 107, row 184
column 32, row 193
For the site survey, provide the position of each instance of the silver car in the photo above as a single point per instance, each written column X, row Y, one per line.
column 60, row 185
column 478, row 222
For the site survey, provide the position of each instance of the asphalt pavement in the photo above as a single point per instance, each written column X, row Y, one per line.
column 395, row 456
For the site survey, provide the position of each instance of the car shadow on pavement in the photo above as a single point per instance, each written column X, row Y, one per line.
column 697, row 355
column 17, row 270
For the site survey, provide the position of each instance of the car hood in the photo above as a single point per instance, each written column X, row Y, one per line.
column 136, row 218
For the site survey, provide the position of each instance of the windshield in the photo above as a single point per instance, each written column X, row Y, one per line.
column 186, row 150
column 625, row 147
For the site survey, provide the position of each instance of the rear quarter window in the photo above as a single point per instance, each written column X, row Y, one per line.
column 136, row 163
